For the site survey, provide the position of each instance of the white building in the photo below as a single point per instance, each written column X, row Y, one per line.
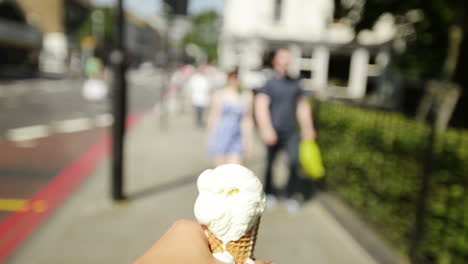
column 306, row 27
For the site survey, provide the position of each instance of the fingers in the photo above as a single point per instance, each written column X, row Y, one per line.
column 309, row 134
column 263, row 262
column 215, row 261
column 271, row 138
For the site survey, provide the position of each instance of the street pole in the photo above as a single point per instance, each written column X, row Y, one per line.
column 119, row 106
column 163, row 116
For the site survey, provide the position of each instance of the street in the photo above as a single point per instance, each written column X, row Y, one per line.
column 46, row 125
column 49, row 105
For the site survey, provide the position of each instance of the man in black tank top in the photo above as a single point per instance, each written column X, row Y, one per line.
column 279, row 108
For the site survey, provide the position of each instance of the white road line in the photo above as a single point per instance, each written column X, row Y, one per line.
column 26, row 144
column 27, row 133
column 24, row 135
column 103, row 120
column 72, row 125
column 55, row 89
column 18, row 90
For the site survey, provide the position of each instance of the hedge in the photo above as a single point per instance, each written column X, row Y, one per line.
column 375, row 161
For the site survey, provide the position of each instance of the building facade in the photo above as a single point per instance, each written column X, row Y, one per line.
column 20, row 42
column 55, row 19
column 251, row 29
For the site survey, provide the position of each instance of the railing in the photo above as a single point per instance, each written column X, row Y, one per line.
column 409, row 181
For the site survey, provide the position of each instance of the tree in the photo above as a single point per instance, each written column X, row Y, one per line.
column 106, row 30
column 426, row 52
column 204, row 33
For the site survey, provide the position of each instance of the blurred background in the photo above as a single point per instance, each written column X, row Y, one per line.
column 387, row 82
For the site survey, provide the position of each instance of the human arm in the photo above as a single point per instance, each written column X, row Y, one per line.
column 185, row 242
column 262, row 114
column 247, row 126
column 215, row 112
column 304, row 116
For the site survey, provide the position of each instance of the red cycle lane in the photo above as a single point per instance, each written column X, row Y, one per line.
column 35, row 181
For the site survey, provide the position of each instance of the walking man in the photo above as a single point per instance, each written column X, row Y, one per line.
column 279, row 107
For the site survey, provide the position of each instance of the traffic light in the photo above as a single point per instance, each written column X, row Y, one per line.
column 177, row 7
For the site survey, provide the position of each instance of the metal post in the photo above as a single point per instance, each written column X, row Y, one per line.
column 421, row 203
column 119, row 106
column 163, row 119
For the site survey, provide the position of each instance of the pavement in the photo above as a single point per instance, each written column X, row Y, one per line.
column 161, row 167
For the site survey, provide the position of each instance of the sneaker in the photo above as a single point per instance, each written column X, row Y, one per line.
column 271, row 201
column 292, row 206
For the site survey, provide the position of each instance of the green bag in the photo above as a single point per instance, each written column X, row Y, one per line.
column 311, row 160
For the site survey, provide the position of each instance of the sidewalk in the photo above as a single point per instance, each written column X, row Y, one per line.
column 161, row 170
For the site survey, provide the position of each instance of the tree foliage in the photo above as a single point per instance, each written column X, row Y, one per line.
column 425, row 53
column 205, row 33
column 106, row 29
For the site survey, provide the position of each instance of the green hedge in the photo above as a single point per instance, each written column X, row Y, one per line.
column 375, row 161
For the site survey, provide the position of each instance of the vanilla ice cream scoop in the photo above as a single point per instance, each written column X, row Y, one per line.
column 230, row 202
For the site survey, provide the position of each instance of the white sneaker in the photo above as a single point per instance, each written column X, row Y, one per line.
column 292, row 206
column 271, row 201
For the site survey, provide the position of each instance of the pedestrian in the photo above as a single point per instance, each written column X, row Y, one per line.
column 95, row 88
column 175, row 91
column 183, row 96
column 279, row 105
column 230, row 123
column 200, row 89
column 93, row 68
column 216, row 76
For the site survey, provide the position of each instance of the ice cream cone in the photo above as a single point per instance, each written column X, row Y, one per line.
column 229, row 197
column 240, row 250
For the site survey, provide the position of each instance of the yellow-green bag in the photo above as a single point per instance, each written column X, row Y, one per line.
column 311, row 160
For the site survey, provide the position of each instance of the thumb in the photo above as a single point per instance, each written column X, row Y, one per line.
column 256, row 262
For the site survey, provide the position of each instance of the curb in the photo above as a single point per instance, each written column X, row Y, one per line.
column 370, row 241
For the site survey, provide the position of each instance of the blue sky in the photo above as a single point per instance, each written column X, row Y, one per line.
column 146, row 8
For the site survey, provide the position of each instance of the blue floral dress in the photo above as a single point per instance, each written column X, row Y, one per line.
column 227, row 134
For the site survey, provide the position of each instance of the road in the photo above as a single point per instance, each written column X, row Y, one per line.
column 45, row 125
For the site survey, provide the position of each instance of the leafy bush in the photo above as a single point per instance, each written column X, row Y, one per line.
column 375, row 161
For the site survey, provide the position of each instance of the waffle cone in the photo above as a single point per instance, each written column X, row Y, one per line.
column 240, row 250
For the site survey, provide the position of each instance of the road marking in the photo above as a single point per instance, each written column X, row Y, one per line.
column 27, row 144
column 55, row 89
column 72, row 125
column 27, row 133
column 13, row 205
column 39, row 206
column 18, row 205
column 17, row 90
column 20, row 225
column 103, row 120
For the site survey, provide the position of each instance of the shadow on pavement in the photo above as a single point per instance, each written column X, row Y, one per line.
column 179, row 182
column 161, row 188
column 307, row 188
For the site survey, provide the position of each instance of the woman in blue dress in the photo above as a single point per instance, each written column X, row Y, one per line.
column 230, row 124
